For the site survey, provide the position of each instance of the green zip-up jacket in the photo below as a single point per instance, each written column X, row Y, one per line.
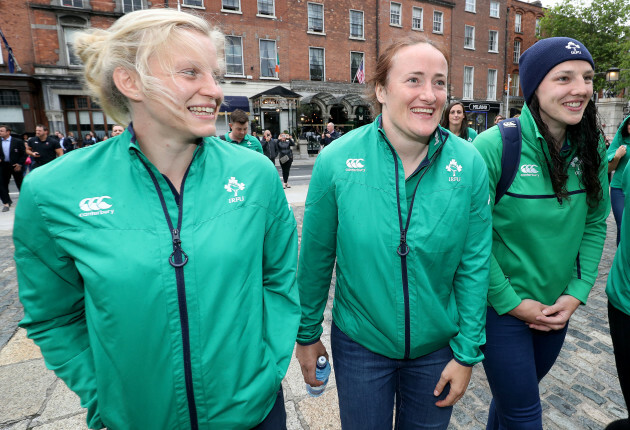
column 249, row 142
column 400, row 307
column 143, row 344
column 618, row 286
column 541, row 248
column 619, row 140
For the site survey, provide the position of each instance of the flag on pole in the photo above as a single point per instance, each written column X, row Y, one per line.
column 277, row 63
column 11, row 57
column 360, row 75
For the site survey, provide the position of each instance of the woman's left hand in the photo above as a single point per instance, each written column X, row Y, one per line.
column 557, row 315
column 459, row 377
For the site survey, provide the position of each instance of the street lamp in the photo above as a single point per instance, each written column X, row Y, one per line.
column 612, row 77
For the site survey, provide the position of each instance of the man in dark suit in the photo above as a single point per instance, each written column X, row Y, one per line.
column 12, row 158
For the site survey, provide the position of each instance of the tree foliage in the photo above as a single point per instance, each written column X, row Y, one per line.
column 603, row 26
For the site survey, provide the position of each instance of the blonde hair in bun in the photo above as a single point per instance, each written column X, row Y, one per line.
column 129, row 43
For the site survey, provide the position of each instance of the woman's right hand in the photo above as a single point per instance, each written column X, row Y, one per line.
column 620, row 152
column 307, row 355
column 527, row 311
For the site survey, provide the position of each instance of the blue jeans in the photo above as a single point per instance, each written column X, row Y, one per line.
column 517, row 358
column 369, row 383
column 276, row 419
column 617, row 200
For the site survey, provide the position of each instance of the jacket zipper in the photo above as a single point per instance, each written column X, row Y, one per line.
column 403, row 248
column 178, row 260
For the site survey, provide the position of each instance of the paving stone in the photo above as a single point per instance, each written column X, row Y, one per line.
column 587, row 392
column 578, row 335
column 62, row 404
column 566, row 395
column 588, row 347
column 590, row 382
column 560, row 405
column 321, row 413
column 595, row 414
column 616, row 397
column 293, row 421
column 22, row 425
column 23, row 389
column 19, row 349
column 76, row 422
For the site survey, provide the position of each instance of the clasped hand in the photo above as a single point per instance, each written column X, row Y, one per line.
column 541, row 317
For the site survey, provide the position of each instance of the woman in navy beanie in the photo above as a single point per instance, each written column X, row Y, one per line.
column 548, row 228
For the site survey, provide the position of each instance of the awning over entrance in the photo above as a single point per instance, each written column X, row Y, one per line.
column 231, row 103
column 279, row 91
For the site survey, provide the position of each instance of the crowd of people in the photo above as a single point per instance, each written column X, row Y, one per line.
column 184, row 307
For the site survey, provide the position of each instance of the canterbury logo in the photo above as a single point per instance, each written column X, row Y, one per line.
column 529, row 168
column 355, row 163
column 509, row 124
column 94, row 204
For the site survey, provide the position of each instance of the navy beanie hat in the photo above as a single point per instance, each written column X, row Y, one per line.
column 543, row 56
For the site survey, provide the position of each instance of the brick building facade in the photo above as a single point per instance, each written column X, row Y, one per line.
column 319, row 45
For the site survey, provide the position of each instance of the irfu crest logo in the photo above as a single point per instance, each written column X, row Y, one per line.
column 234, row 186
column 454, row 168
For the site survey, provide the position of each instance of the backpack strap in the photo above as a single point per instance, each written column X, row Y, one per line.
column 512, row 144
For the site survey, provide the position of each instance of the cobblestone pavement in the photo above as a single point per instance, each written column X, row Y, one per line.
column 581, row 391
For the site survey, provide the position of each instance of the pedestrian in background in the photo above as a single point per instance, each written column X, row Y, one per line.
column 239, row 124
column 455, row 120
column 410, row 297
column 117, row 130
column 618, row 291
column 329, row 135
column 548, row 228
column 43, row 148
column 12, row 159
column 118, row 273
column 617, row 161
column 498, row 119
column 270, row 146
column 285, row 155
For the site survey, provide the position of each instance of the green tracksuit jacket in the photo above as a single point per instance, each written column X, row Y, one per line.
column 400, row 307
column 618, row 287
column 249, row 142
column 619, row 140
column 541, row 248
column 145, row 345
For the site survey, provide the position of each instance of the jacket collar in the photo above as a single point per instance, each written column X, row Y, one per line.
column 133, row 141
column 437, row 140
column 531, row 133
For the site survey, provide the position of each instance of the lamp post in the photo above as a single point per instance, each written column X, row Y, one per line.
column 612, row 77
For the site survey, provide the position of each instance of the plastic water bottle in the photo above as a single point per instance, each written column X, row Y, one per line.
column 322, row 372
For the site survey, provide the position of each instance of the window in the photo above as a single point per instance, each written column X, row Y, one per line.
column 194, row 3
column 316, row 63
column 230, row 5
column 131, row 5
column 514, row 85
column 416, row 18
column 438, row 22
column 495, row 8
column 537, row 27
column 356, row 24
column 493, row 41
column 1, row 55
column 72, row 3
column 469, row 37
column 394, row 14
column 82, row 114
column 492, row 84
column 356, row 58
column 266, row 7
column 517, row 51
column 11, row 110
column 268, row 58
column 469, row 73
column 517, row 22
column 470, row 5
column 69, row 34
column 234, row 55
column 316, row 17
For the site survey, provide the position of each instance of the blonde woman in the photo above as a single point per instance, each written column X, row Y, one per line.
column 161, row 287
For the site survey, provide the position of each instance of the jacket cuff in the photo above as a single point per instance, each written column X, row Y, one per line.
column 503, row 298
column 579, row 288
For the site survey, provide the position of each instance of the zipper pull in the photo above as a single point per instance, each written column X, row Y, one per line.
column 403, row 248
column 177, row 246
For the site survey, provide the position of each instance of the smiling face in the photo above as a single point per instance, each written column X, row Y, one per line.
column 190, row 79
column 564, row 93
column 415, row 94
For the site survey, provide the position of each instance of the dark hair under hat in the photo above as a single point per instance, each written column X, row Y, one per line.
column 543, row 56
